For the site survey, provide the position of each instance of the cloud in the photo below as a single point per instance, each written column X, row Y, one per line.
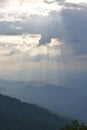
column 67, row 25
column 46, row 26
column 18, row 10
column 42, row 36
column 75, row 27
column 16, row 45
column 2, row 2
column 27, row 47
column 76, row 1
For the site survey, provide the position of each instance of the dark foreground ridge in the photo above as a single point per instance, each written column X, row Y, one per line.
column 17, row 115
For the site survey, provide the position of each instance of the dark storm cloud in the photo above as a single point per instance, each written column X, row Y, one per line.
column 49, row 27
column 69, row 26
column 10, row 28
column 76, row 28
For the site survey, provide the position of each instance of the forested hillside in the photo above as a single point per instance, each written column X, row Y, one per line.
column 17, row 115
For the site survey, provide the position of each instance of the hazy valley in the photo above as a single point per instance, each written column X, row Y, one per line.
column 66, row 101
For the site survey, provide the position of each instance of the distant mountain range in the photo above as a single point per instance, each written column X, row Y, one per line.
column 66, row 101
column 17, row 115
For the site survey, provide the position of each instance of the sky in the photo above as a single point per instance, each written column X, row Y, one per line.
column 42, row 39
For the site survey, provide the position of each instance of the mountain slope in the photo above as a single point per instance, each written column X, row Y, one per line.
column 15, row 115
column 68, row 101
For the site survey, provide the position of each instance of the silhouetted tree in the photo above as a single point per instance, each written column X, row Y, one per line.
column 75, row 126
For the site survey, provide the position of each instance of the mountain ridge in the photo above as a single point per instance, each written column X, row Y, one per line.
column 15, row 114
column 67, row 101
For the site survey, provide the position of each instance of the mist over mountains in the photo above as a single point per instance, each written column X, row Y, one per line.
column 43, row 55
column 15, row 115
column 66, row 101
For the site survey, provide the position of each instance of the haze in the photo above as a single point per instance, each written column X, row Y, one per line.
column 44, row 41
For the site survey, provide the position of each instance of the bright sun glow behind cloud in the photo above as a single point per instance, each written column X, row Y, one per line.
column 15, row 10
column 42, row 32
column 27, row 46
